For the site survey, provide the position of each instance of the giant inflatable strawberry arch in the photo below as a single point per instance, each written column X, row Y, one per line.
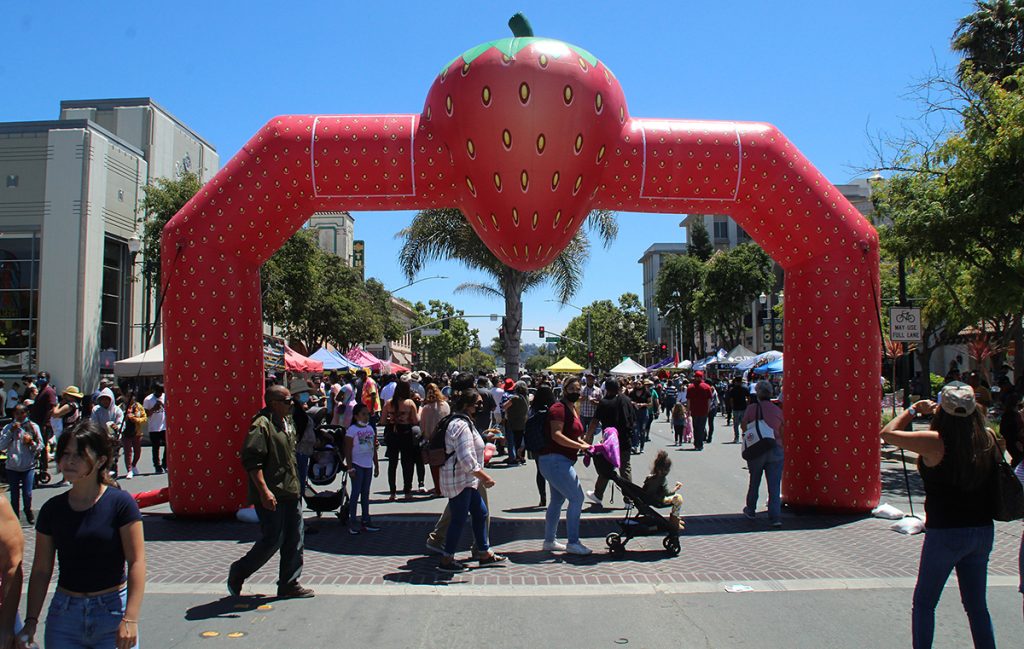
column 525, row 135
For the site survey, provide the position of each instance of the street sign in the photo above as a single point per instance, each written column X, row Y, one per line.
column 427, row 333
column 904, row 324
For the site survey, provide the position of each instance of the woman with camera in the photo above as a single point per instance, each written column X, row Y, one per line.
column 23, row 442
column 957, row 458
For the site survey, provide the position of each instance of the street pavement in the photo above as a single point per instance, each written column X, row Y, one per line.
column 819, row 581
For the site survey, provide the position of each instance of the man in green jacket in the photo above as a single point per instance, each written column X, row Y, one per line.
column 268, row 456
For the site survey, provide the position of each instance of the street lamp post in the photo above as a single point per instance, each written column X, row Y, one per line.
column 771, row 316
column 590, row 342
column 386, row 348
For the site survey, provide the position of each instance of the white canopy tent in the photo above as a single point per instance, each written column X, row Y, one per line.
column 628, row 367
column 148, row 363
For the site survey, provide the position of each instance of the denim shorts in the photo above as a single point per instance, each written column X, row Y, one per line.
column 85, row 622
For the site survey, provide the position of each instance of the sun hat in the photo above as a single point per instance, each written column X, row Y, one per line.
column 509, row 384
column 73, row 391
column 297, row 386
column 957, row 399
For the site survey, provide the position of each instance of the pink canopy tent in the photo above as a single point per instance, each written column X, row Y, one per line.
column 296, row 362
column 363, row 358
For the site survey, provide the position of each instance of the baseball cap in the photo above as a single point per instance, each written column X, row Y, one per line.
column 958, row 399
column 699, row 374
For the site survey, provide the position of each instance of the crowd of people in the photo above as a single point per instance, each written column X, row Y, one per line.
column 93, row 534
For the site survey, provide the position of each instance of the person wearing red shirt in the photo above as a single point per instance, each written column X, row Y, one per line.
column 698, row 397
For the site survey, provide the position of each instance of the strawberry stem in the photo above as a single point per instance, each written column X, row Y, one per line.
column 520, row 26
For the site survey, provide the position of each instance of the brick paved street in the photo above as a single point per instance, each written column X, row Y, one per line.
column 719, row 545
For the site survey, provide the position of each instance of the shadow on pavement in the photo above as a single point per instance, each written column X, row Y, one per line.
column 227, row 607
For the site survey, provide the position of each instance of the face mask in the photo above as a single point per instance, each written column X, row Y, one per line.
column 303, row 397
column 572, row 397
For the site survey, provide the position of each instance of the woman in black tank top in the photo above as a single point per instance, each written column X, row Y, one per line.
column 957, row 460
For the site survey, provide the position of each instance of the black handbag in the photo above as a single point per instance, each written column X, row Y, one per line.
column 1008, row 501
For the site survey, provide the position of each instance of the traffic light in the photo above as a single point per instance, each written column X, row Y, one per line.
column 540, row 330
column 590, row 357
column 664, row 348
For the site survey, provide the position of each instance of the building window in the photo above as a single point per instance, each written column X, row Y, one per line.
column 120, row 195
column 721, row 230
column 12, row 180
column 114, row 305
column 741, row 234
column 19, row 301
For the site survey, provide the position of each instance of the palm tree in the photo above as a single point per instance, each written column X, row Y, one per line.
column 992, row 38
column 444, row 234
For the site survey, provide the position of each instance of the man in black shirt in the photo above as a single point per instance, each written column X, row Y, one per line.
column 615, row 410
column 736, row 401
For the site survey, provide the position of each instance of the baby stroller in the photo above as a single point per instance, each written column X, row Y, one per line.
column 324, row 467
column 641, row 518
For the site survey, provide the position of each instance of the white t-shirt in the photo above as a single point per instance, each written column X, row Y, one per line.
column 12, row 399
column 158, row 419
column 362, row 445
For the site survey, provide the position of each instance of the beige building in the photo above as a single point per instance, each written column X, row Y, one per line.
column 70, row 298
column 335, row 232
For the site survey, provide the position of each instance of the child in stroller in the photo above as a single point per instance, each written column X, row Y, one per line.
column 642, row 519
column 325, row 466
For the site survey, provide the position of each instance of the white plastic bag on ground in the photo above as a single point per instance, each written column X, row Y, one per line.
column 885, row 510
column 908, row 525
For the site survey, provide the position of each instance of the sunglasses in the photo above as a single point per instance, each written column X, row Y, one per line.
column 288, row 400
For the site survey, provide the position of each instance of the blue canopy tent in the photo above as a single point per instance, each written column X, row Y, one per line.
column 701, row 364
column 333, row 360
column 758, row 361
column 660, row 364
column 774, row 367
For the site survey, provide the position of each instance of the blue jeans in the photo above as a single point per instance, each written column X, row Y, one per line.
column 967, row 550
column 737, row 415
column 21, row 482
column 468, row 503
column 565, row 485
column 281, row 529
column 640, row 428
column 84, row 622
column 360, row 494
column 700, row 425
column 770, row 464
column 302, row 466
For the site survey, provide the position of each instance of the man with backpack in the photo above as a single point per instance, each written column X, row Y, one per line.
column 615, row 410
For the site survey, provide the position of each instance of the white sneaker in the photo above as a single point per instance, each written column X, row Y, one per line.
column 129, row 475
column 578, row 548
column 554, row 546
column 592, row 497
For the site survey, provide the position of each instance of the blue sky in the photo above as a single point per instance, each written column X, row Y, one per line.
column 828, row 74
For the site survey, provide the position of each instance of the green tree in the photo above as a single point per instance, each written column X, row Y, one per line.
column 315, row 298
column 617, row 330
column 679, row 281
column 164, row 197
column 473, row 360
column 538, row 362
column 732, row 280
column 437, row 353
column 700, row 246
column 992, row 40
column 444, row 234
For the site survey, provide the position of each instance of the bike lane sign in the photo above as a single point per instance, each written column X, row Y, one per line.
column 904, row 325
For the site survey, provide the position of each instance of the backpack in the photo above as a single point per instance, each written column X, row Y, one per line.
column 537, row 432
column 433, row 450
column 535, row 437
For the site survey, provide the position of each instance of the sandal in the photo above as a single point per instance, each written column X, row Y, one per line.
column 492, row 559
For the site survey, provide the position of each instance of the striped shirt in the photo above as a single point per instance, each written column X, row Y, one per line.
column 467, row 448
